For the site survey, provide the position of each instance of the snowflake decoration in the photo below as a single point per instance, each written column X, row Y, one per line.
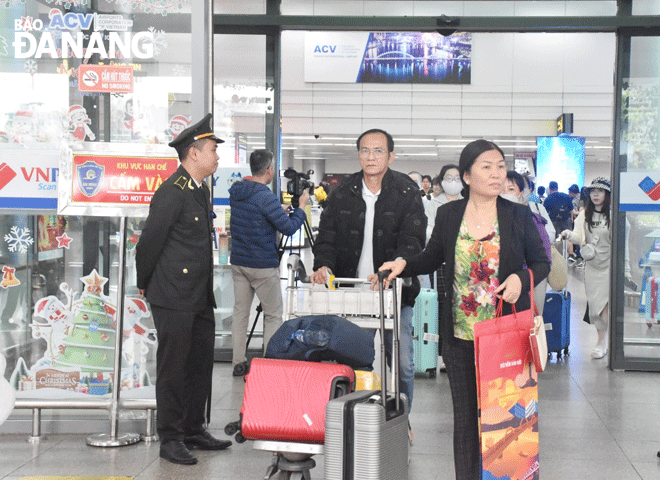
column 178, row 70
column 159, row 40
column 19, row 239
column 30, row 66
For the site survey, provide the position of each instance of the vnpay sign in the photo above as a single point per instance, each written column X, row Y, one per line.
column 120, row 42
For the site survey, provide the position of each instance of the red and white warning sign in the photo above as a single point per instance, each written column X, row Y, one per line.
column 105, row 78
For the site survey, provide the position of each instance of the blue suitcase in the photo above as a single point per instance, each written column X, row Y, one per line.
column 557, row 316
column 425, row 332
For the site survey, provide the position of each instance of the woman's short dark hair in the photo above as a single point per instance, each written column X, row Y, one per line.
column 516, row 178
column 390, row 140
column 437, row 181
column 468, row 156
column 427, row 177
column 541, row 190
column 446, row 168
column 260, row 160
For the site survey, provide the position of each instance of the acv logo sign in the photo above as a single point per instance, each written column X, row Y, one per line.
column 325, row 49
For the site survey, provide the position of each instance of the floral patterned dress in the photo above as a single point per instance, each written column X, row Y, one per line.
column 475, row 280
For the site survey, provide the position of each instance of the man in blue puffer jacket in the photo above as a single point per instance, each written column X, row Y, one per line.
column 256, row 216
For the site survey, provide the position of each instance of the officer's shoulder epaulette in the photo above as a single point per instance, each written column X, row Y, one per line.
column 181, row 182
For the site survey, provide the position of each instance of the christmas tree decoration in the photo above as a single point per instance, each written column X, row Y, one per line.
column 9, row 278
column 84, row 348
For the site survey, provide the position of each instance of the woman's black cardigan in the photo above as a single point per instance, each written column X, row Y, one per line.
column 520, row 245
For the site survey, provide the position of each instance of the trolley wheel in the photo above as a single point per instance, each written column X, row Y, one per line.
column 432, row 372
column 566, row 351
column 240, row 438
column 232, row 427
column 558, row 354
column 271, row 472
column 649, row 324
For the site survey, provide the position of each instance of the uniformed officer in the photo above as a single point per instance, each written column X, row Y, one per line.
column 174, row 271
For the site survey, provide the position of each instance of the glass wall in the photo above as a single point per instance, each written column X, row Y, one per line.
column 637, row 328
column 75, row 74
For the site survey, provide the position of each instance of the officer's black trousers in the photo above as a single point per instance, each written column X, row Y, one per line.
column 184, row 370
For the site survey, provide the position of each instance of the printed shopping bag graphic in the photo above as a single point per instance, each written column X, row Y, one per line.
column 508, row 399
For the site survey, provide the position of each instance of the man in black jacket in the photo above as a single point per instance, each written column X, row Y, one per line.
column 175, row 270
column 374, row 216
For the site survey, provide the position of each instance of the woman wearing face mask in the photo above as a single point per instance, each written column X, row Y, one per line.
column 450, row 181
column 593, row 232
column 517, row 191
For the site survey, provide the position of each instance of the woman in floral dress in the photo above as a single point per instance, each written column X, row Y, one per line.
column 485, row 243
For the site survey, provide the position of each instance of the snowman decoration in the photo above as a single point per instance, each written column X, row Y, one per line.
column 79, row 123
column 7, row 393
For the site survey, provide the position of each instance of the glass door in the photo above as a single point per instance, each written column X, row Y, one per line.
column 243, row 106
column 636, row 271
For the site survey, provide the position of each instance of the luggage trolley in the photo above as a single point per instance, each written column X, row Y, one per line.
column 350, row 298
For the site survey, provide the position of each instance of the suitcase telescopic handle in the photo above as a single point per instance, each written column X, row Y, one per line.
column 395, row 341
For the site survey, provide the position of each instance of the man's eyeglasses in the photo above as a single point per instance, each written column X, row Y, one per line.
column 377, row 152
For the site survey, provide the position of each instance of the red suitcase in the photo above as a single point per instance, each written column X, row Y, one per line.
column 285, row 400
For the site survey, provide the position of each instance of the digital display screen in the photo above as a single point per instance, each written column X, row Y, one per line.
column 560, row 159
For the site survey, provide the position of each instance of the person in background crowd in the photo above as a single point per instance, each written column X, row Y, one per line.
column 437, row 186
column 417, row 178
column 593, row 231
column 574, row 250
column 450, row 181
column 174, row 263
column 533, row 197
column 516, row 189
column 559, row 206
column 500, row 238
column 256, row 217
column 541, row 193
column 375, row 215
column 426, row 186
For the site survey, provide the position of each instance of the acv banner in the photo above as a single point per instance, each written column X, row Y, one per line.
column 388, row 57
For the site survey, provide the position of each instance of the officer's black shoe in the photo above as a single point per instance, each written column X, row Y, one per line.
column 175, row 451
column 240, row 369
column 205, row 441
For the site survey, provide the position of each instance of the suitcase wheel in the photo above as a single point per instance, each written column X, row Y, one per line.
column 432, row 372
column 240, row 438
column 566, row 351
column 232, row 427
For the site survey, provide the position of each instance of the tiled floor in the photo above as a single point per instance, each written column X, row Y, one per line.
column 594, row 424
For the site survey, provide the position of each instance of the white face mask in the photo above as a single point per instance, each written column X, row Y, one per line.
column 452, row 188
column 511, row 197
column 526, row 194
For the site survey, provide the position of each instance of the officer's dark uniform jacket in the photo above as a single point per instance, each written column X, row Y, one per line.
column 399, row 227
column 174, row 255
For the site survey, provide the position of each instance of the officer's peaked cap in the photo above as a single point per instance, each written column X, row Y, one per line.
column 198, row 131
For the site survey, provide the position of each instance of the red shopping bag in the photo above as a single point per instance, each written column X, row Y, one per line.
column 507, row 397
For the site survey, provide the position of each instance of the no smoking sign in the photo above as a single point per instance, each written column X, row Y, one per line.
column 105, row 78
column 90, row 78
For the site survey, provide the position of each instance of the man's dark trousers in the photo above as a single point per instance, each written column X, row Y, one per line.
column 185, row 369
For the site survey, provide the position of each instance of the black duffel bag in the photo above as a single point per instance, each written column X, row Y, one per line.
column 318, row 338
